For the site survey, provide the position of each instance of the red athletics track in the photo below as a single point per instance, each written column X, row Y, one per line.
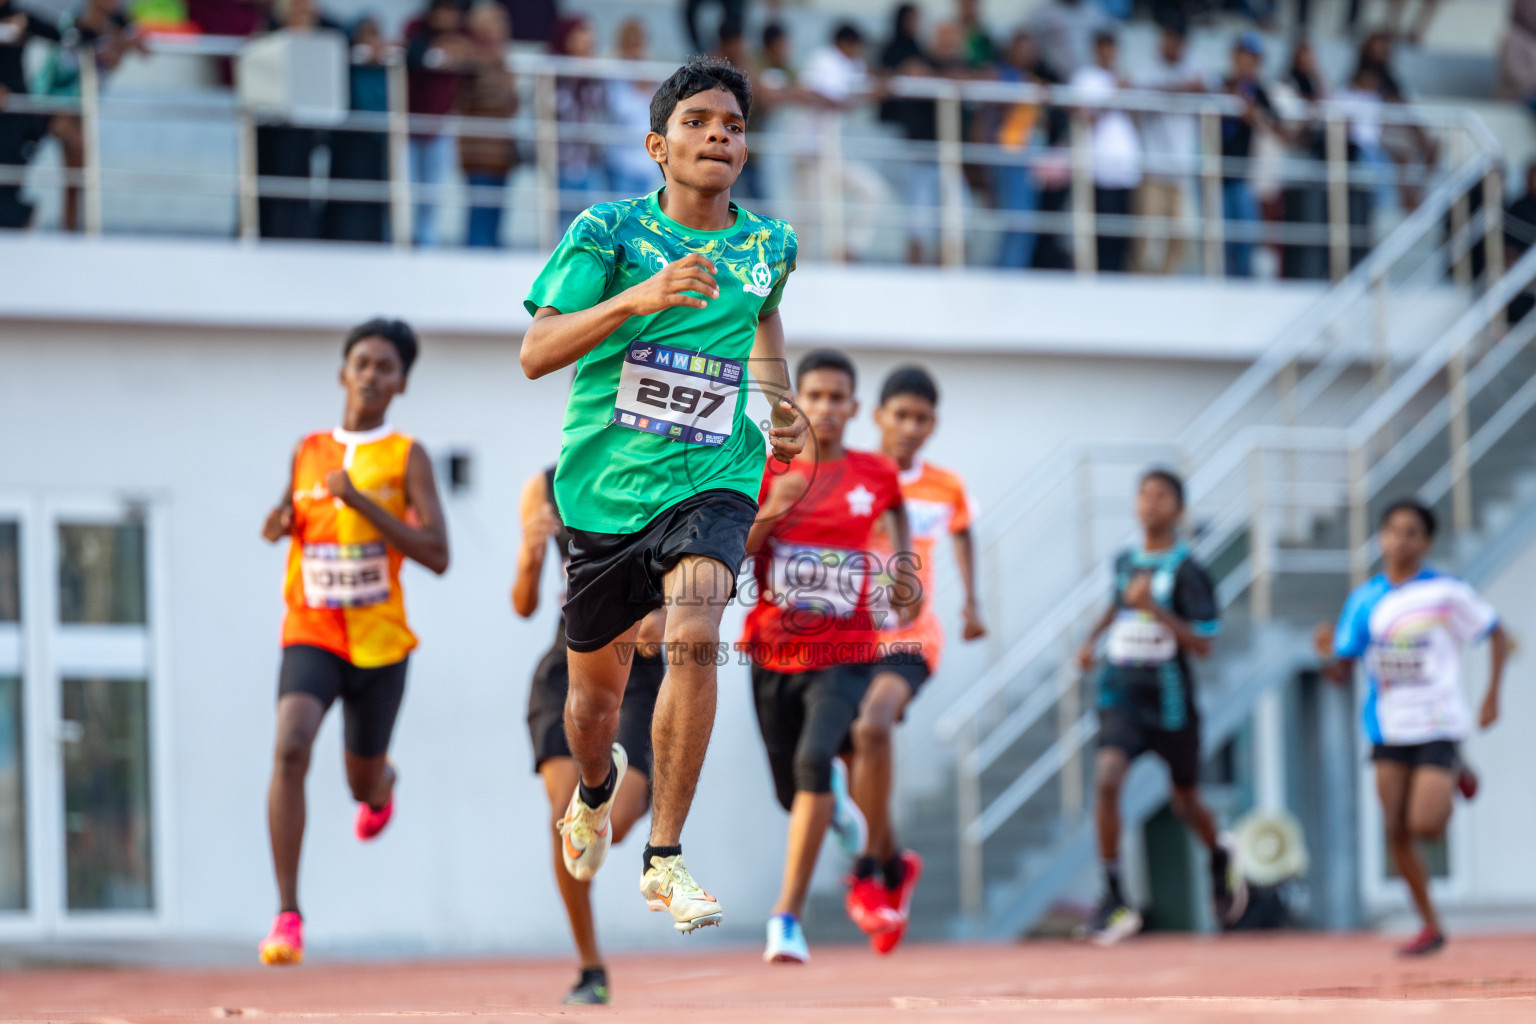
column 1286, row 978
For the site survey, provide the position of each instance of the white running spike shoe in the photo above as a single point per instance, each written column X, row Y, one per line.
column 786, row 941
column 667, row 885
column 584, row 832
column 848, row 825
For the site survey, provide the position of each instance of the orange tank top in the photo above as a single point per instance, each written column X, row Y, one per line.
column 343, row 584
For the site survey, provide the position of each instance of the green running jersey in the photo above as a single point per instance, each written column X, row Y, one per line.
column 657, row 412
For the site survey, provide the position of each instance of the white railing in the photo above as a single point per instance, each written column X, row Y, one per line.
column 819, row 153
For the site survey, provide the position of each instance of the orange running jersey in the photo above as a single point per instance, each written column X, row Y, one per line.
column 936, row 508
column 343, row 584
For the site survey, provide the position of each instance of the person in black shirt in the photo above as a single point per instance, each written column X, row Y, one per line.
column 1239, row 205
column 19, row 132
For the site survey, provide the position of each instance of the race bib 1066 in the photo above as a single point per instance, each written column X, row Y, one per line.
column 345, row 575
column 685, row 396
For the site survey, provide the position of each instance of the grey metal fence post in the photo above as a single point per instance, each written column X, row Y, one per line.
column 1085, row 250
column 401, row 213
column 547, row 151
column 248, row 189
column 1336, row 149
column 951, row 179
column 1210, row 193
column 90, row 134
column 968, row 807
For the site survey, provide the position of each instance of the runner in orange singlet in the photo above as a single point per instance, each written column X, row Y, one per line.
column 360, row 500
column 936, row 506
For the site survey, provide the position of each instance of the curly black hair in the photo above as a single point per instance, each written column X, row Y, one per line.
column 700, row 74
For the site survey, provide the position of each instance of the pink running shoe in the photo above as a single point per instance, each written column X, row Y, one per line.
column 371, row 822
column 284, row 944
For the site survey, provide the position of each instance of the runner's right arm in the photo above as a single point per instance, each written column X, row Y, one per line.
column 539, row 525
column 556, row 340
column 1085, row 653
column 280, row 520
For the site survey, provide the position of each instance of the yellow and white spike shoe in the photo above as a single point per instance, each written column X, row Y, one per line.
column 667, row 885
column 584, row 832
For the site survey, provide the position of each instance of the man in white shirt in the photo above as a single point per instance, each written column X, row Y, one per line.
column 1172, row 144
column 1116, row 151
column 839, row 80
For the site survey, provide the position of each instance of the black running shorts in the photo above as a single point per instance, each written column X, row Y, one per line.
column 907, row 664
column 546, row 709
column 1179, row 749
column 1444, row 754
column 613, row 580
column 370, row 697
column 804, row 718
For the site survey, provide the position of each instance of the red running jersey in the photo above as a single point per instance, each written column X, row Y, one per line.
column 816, row 578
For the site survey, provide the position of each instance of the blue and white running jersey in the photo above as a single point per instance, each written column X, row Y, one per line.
column 1411, row 638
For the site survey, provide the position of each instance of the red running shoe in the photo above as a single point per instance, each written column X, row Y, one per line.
column 1466, row 781
column 284, row 944
column 371, row 822
column 1426, row 942
column 901, row 902
column 869, row 906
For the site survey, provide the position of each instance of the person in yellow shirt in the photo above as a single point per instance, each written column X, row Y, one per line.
column 360, row 500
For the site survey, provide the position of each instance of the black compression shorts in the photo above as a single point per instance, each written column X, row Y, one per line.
column 370, row 697
column 613, row 580
column 1444, row 754
column 804, row 718
column 1179, row 749
column 912, row 668
column 546, row 710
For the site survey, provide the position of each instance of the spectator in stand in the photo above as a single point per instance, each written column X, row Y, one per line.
column 533, row 21
column 733, row 21
column 1064, row 31
column 1172, row 143
column 1395, row 11
column 980, row 52
column 19, row 132
column 1517, row 55
column 839, row 79
column 229, row 18
column 631, row 171
column 105, row 28
column 362, row 156
column 489, row 91
column 1018, row 125
column 733, row 49
column 437, row 56
column 1116, row 148
column 1239, row 205
column 904, row 54
column 288, row 151
column 1407, row 146
column 580, row 103
column 1520, row 219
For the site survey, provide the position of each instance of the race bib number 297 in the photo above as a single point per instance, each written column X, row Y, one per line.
column 685, row 396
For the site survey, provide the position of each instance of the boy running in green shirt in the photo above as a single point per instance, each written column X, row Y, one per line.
column 661, row 302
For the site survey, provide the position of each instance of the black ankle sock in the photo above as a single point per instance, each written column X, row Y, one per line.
column 866, row 867
column 895, row 871
column 659, row 851
column 1219, row 862
column 598, row 974
column 596, row 797
column 1112, row 880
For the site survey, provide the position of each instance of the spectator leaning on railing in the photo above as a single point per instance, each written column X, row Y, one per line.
column 490, row 91
column 437, row 56
column 1172, row 144
column 1116, row 148
column 1239, row 204
column 1017, row 126
column 904, row 54
column 287, row 151
column 19, row 132
column 104, row 28
column 361, row 156
column 580, row 102
column 631, row 171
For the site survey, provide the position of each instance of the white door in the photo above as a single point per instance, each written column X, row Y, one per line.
column 82, row 815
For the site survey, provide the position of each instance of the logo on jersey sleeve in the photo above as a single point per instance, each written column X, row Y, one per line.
column 762, row 281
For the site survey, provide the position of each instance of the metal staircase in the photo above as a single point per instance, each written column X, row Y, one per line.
column 1402, row 380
